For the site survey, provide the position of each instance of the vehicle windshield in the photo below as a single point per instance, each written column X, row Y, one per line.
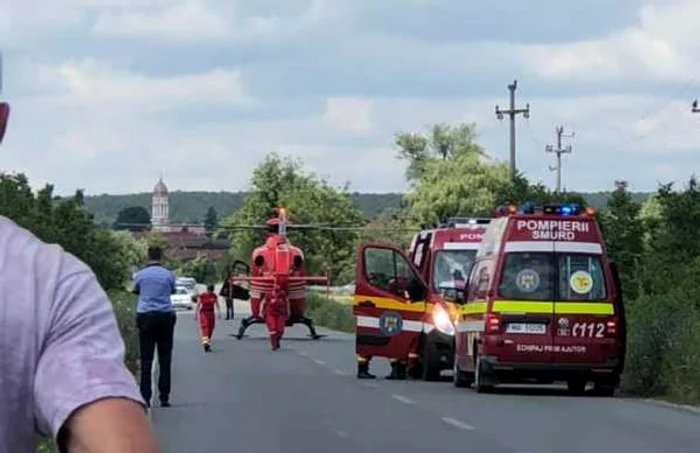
column 180, row 290
column 452, row 266
column 548, row 276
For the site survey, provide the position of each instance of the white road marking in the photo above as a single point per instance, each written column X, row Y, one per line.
column 340, row 372
column 303, row 354
column 371, row 385
column 320, row 362
column 403, row 399
column 343, row 434
column 458, row 424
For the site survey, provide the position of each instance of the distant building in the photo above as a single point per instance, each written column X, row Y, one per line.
column 185, row 240
column 160, row 214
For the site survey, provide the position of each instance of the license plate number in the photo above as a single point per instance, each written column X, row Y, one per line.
column 526, row 328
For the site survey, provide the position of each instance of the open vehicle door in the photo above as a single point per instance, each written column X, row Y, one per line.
column 389, row 302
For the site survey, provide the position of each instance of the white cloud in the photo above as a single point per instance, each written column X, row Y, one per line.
column 349, row 114
column 661, row 46
column 190, row 20
column 92, row 113
column 95, row 84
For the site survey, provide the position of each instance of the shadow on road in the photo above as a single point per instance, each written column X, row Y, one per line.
column 296, row 339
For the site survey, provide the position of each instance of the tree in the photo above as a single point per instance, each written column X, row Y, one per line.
column 466, row 185
column 443, row 143
column 133, row 218
column 211, row 219
column 674, row 237
column 623, row 231
column 309, row 199
column 452, row 175
column 67, row 222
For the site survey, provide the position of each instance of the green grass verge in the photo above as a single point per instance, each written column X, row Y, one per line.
column 330, row 313
column 123, row 303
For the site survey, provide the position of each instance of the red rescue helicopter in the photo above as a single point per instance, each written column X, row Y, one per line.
column 277, row 271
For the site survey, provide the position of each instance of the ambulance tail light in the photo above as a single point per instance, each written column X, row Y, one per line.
column 611, row 327
column 493, row 323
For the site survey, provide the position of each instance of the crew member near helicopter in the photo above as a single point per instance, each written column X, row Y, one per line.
column 207, row 304
column 275, row 312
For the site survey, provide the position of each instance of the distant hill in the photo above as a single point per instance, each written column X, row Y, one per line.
column 192, row 206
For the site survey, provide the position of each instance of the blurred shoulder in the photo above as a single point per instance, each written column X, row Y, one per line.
column 26, row 257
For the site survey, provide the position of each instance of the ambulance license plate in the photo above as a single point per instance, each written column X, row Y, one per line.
column 526, row 328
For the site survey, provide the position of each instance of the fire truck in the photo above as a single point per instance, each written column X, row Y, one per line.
column 443, row 256
column 406, row 304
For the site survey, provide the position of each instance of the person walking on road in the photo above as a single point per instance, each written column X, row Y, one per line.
column 207, row 304
column 155, row 320
column 227, row 294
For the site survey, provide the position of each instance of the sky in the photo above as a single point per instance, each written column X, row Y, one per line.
column 107, row 95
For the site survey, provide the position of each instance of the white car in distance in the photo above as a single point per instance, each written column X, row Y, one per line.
column 182, row 298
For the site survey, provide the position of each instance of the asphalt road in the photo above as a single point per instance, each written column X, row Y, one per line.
column 305, row 398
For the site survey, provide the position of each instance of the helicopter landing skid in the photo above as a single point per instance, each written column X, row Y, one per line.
column 251, row 320
column 308, row 323
column 247, row 322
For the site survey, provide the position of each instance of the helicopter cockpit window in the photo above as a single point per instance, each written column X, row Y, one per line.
column 389, row 271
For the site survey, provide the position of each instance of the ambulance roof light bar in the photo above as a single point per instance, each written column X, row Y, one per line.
column 564, row 209
column 464, row 222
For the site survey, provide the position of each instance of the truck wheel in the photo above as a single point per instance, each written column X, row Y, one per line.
column 459, row 378
column 576, row 386
column 416, row 371
column 605, row 388
column 481, row 382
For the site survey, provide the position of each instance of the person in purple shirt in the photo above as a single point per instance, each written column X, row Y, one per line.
column 62, row 368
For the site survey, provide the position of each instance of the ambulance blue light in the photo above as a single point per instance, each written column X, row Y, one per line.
column 563, row 209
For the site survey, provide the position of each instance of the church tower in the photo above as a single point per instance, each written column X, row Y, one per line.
column 159, row 209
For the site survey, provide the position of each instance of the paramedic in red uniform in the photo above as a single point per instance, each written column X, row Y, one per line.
column 275, row 312
column 207, row 303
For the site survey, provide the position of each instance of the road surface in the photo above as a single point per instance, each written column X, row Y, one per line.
column 305, row 398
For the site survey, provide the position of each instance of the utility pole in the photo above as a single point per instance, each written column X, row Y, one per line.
column 559, row 151
column 512, row 111
column 695, row 107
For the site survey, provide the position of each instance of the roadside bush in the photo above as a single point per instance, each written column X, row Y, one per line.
column 330, row 313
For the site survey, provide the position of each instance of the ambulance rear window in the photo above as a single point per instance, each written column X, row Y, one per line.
column 548, row 276
column 580, row 277
column 527, row 276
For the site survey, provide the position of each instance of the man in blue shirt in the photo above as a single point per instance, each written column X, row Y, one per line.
column 155, row 319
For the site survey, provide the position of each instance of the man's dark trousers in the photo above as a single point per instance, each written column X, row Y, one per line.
column 156, row 329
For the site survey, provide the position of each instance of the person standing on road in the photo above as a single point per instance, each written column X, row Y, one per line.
column 155, row 320
column 63, row 371
column 207, row 304
column 227, row 294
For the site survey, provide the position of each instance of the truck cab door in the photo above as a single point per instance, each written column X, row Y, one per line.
column 389, row 302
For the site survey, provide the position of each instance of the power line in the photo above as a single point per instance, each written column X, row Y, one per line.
column 512, row 112
column 559, row 151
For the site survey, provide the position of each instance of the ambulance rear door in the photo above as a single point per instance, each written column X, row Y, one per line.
column 526, row 290
column 584, row 310
column 389, row 302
